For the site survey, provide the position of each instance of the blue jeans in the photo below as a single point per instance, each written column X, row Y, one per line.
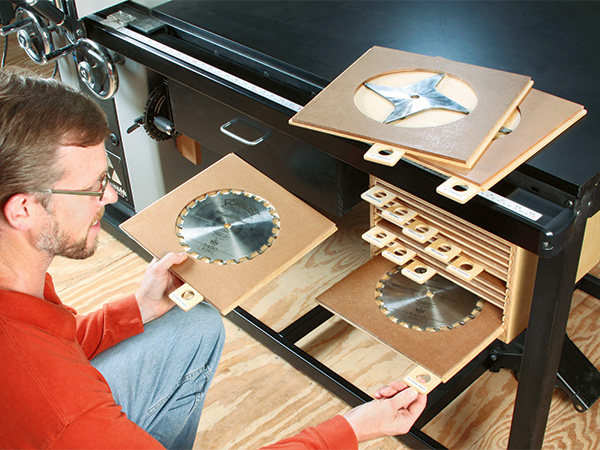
column 160, row 377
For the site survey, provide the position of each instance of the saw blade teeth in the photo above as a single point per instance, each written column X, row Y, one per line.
column 228, row 226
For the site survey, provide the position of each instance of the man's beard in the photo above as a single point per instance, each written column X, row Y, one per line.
column 56, row 242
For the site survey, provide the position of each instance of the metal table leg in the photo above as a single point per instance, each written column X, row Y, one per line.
column 313, row 368
column 543, row 343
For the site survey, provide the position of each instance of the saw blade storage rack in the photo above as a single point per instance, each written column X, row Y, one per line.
column 422, row 240
column 494, row 269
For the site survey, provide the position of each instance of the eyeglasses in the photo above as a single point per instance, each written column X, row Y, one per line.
column 100, row 193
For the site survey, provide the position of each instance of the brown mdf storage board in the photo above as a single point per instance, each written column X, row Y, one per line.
column 228, row 285
column 441, row 353
column 543, row 117
column 460, row 142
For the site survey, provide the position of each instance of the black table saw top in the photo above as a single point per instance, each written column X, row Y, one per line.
column 556, row 43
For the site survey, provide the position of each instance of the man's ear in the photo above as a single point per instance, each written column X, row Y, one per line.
column 19, row 211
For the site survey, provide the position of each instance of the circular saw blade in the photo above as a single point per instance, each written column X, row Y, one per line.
column 227, row 227
column 435, row 305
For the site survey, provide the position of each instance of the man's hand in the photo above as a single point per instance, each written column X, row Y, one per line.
column 153, row 294
column 394, row 411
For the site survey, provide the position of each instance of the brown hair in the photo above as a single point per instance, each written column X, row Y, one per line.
column 37, row 116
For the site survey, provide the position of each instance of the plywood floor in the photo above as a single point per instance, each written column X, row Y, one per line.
column 257, row 398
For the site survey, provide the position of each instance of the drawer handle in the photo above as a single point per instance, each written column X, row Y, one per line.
column 378, row 237
column 384, row 154
column 418, row 272
column 378, row 196
column 226, row 132
column 186, row 297
column 398, row 214
column 442, row 250
column 422, row 380
column 464, row 268
column 420, row 231
column 399, row 254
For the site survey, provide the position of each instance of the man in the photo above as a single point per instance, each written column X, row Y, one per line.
column 53, row 191
column 116, row 378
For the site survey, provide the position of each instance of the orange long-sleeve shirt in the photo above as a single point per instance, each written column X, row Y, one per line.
column 51, row 397
column 334, row 434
